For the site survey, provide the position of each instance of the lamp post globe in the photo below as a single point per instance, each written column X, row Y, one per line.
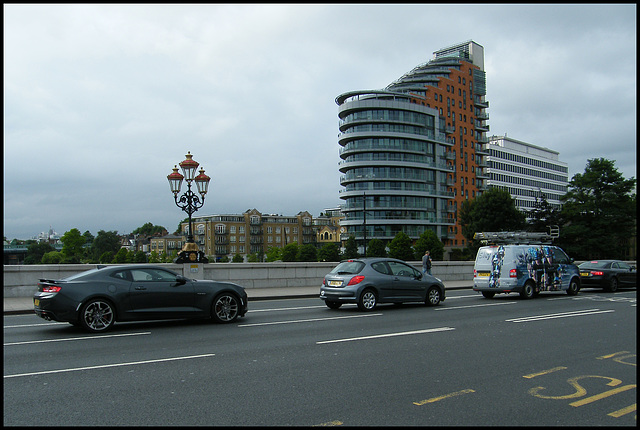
column 189, row 202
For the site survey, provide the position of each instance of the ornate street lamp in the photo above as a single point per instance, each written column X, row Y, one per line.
column 190, row 203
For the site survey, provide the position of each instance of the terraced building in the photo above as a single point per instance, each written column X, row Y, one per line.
column 413, row 151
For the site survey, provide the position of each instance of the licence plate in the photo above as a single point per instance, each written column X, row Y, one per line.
column 484, row 274
column 585, row 274
column 335, row 283
column 36, row 302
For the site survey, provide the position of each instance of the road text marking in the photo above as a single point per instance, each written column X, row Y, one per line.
column 446, row 396
column 544, row 372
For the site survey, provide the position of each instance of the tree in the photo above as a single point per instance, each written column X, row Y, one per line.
column 105, row 241
column 237, row 259
column 148, row 229
column 307, row 252
column 329, row 252
column 400, row 247
column 274, row 254
column 35, row 252
column 350, row 248
column 122, row 256
column 290, row 252
column 72, row 246
column 542, row 216
column 106, row 257
column 428, row 241
column 139, row 257
column 493, row 210
column 53, row 257
column 598, row 212
column 376, row 248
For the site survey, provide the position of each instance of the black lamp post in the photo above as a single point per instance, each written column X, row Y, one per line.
column 190, row 203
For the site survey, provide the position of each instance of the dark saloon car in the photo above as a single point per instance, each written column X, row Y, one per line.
column 607, row 274
column 97, row 298
column 369, row 281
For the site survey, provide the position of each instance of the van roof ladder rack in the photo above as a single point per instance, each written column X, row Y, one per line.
column 518, row 237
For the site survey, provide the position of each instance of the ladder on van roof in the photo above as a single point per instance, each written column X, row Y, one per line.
column 518, row 237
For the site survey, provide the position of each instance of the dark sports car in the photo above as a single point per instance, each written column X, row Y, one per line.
column 607, row 274
column 97, row 298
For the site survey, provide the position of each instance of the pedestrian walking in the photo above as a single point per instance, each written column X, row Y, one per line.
column 426, row 263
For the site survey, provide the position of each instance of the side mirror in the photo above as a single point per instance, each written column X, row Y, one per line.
column 180, row 280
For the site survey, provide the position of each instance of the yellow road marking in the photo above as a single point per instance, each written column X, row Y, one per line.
column 544, row 372
column 592, row 399
column 623, row 411
column 329, row 424
column 604, row 357
column 446, row 396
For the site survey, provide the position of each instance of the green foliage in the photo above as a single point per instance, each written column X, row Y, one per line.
column 599, row 212
column 35, row 252
column 53, row 257
column 428, row 241
column 466, row 254
column 493, row 210
column 350, row 248
column 329, row 252
column 253, row 258
column 72, row 246
column 139, row 257
column 376, row 248
column 154, row 257
column 290, row 252
column 148, row 229
column 400, row 247
column 307, row 252
column 106, row 257
column 274, row 254
column 122, row 256
column 237, row 258
column 105, row 241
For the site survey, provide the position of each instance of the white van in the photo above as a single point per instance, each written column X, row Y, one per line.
column 524, row 269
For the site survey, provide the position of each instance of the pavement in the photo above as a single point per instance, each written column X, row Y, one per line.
column 24, row 305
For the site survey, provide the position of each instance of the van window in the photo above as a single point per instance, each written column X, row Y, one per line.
column 559, row 257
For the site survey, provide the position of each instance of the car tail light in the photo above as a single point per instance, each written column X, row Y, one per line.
column 475, row 273
column 356, row 280
column 513, row 273
column 597, row 273
column 324, row 282
column 50, row 288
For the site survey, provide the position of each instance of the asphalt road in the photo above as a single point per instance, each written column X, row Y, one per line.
column 553, row 360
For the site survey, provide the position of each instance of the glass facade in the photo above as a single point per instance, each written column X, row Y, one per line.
column 401, row 148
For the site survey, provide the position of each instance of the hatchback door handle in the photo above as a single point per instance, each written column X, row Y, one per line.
column 141, row 288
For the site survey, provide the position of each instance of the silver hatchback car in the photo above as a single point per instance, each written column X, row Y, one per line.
column 369, row 281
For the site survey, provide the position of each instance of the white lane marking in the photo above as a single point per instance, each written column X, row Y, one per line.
column 474, row 306
column 285, row 309
column 105, row 366
column 34, row 325
column 559, row 315
column 378, row 336
column 75, row 338
column 308, row 320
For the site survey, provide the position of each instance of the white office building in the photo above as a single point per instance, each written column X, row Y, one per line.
column 528, row 172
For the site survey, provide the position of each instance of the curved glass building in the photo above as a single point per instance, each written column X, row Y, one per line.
column 406, row 148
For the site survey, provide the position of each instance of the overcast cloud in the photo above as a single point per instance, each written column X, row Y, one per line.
column 101, row 101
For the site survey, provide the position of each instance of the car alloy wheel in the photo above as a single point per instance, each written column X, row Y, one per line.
column 368, row 300
column 225, row 308
column 97, row 316
column 613, row 285
column 433, row 296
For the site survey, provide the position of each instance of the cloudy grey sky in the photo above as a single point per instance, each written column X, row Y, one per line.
column 101, row 101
